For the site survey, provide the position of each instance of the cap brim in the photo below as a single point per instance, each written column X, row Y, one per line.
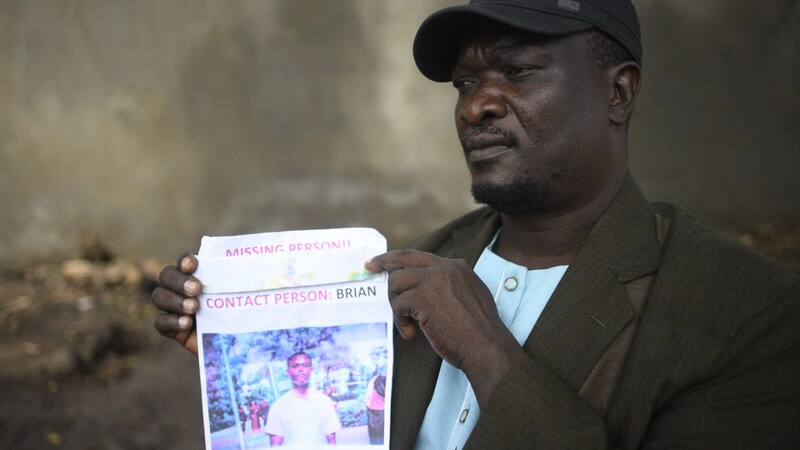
column 439, row 37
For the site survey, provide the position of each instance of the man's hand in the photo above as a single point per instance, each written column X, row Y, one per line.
column 454, row 310
column 177, row 299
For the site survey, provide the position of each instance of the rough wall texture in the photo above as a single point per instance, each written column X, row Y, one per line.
column 154, row 122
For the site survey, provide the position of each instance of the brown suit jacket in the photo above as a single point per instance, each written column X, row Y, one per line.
column 662, row 334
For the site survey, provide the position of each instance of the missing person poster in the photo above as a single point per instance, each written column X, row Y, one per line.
column 294, row 340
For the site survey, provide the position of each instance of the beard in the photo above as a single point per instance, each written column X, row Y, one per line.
column 521, row 194
column 518, row 196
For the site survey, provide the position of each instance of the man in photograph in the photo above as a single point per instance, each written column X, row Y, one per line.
column 302, row 415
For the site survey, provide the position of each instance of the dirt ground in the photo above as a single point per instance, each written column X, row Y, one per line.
column 81, row 366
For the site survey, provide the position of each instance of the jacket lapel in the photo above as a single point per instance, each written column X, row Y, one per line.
column 590, row 306
column 417, row 367
column 416, row 364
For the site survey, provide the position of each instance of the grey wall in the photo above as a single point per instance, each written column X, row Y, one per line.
column 153, row 122
column 718, row 121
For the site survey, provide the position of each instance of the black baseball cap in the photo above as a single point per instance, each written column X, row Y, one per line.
column 438, row 38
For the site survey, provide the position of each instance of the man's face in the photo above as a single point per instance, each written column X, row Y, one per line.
column 300, row 370
column 532, row 118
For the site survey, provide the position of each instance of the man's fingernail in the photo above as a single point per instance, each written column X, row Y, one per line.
column 185, row 264
column 189, row 305
column 191, row 287
column 184, row 322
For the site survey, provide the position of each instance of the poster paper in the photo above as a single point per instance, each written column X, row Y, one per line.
column 269, row 296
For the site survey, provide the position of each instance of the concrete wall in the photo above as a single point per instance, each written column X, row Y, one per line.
column 153, row 122
column 718, row 121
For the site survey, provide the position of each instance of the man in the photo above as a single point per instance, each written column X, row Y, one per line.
column 263, row 411
column 243, row 417
column 570, row 312
column 375, row 400
column 302, row 415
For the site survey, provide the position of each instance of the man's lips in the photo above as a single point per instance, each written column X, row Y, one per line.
column 482, row 147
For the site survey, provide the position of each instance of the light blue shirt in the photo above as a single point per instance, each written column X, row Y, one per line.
column 520, row 295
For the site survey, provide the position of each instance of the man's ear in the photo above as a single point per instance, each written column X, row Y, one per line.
column 624, row 79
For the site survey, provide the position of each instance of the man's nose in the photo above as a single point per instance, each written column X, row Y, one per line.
column 482, row 105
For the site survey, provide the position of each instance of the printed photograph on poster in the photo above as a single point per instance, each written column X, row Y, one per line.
column 256, row 383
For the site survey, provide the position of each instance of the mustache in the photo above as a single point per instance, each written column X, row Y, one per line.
column 487, row 128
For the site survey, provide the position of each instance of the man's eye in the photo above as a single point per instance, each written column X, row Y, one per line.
column 515, row 71
column 461, row 83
